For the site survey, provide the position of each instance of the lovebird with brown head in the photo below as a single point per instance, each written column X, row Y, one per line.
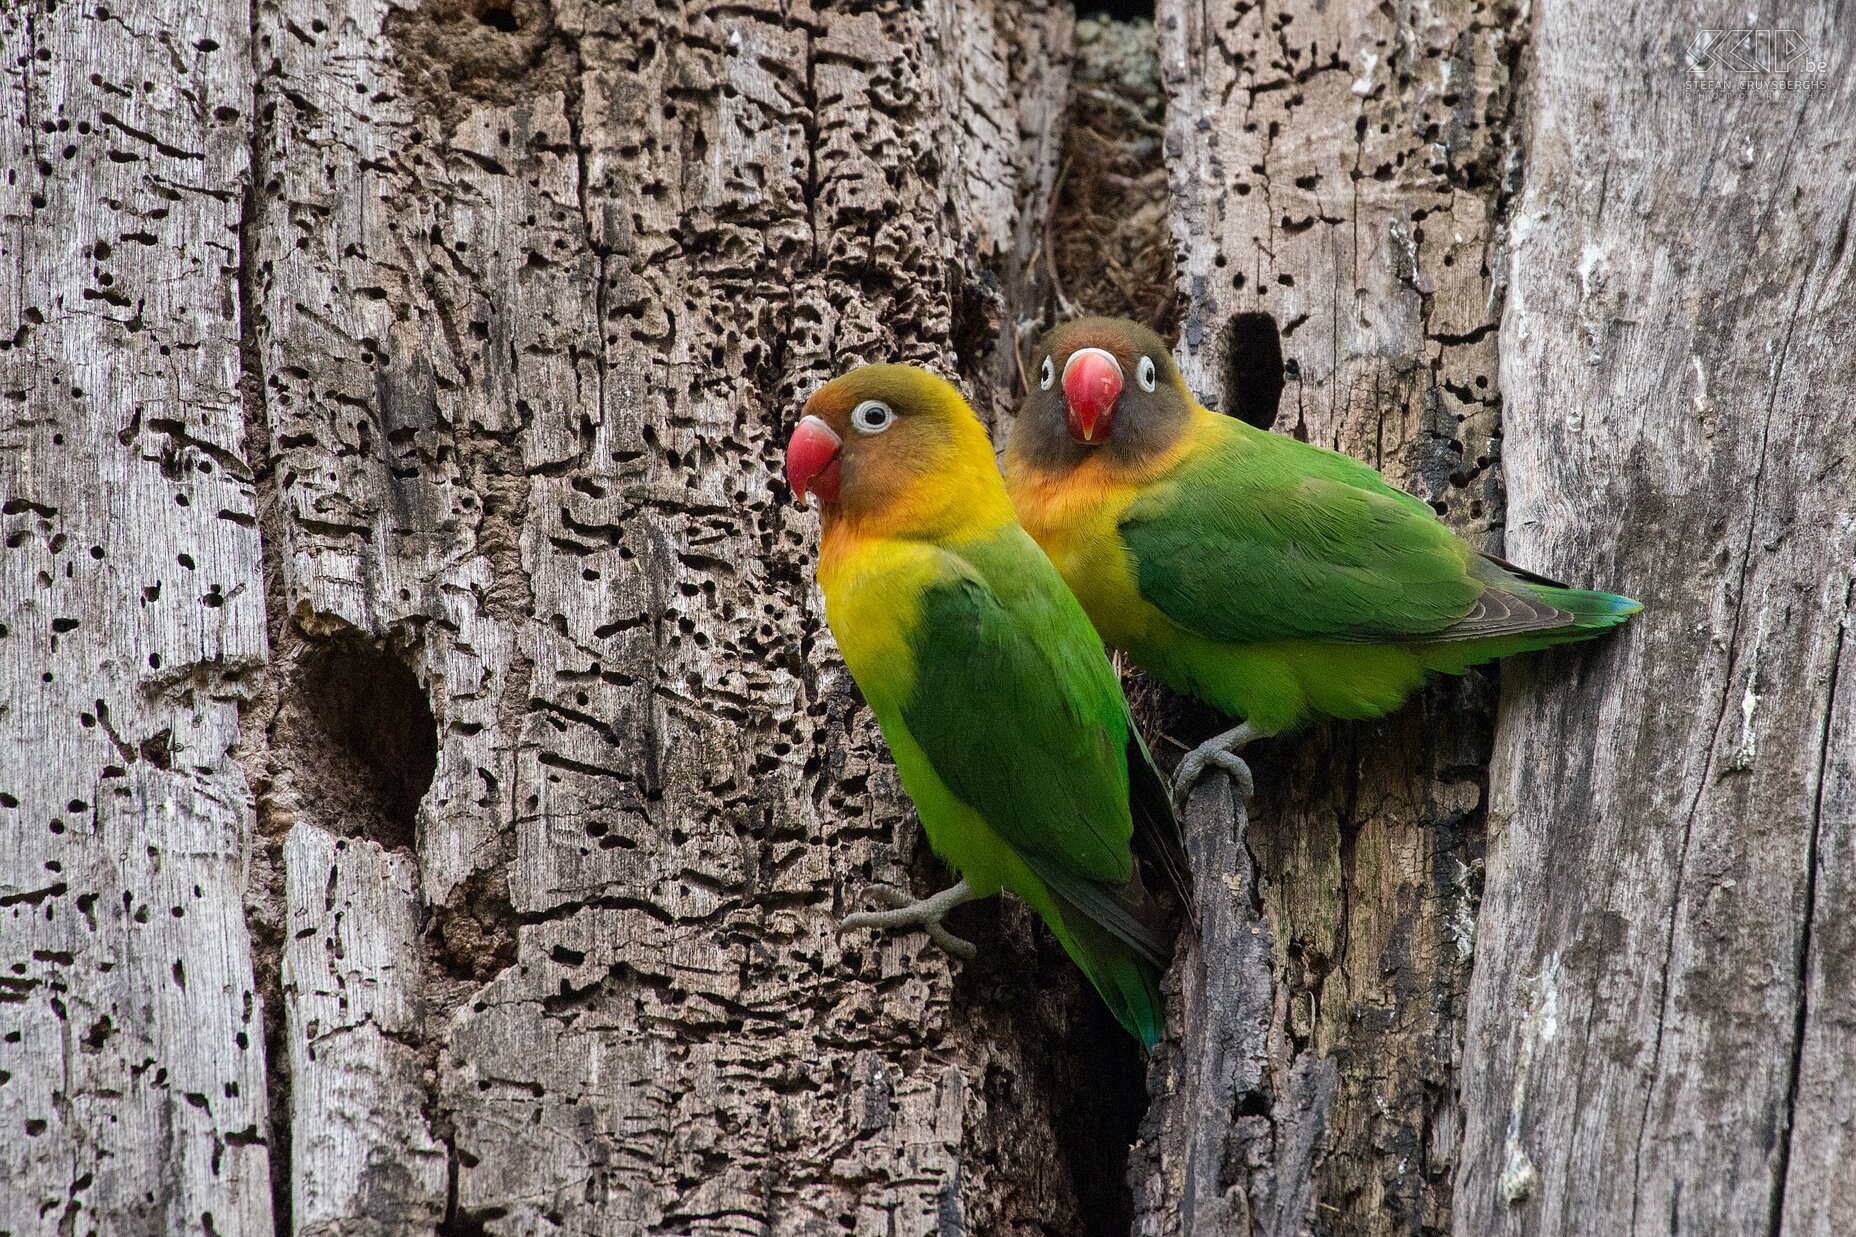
column 1003, row 714
column 1275, row 580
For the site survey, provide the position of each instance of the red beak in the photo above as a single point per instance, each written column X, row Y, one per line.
column 813, row 460
column 1091, row 385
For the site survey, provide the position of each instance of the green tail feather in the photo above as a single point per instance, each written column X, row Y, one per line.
column 1128, row 982
column 1594, row 613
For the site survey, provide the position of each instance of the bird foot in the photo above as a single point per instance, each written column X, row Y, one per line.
column 925, row 914
column 1220, row 752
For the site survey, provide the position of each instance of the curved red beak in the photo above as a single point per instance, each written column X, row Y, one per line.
column 813, row 460
column 1091, row 385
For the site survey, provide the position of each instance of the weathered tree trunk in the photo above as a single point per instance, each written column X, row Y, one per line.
column 534, row 292
column 132, row 1055
column 1658, row 1032
column 559, row 787
column 429, row 785
column 1338, row 174
column 1653, row 1035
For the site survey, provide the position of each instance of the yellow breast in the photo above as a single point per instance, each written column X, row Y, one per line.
column 1075, row 517
column 1076, row 526
column 873, row 588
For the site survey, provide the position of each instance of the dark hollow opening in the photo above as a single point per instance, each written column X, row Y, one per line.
column 1099, row 1116
column 1253, row 374
column 1120, row 10
column 379, row 739
column 499, row 17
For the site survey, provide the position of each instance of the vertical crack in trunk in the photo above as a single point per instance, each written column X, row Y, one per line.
column 1802, row 972
column 265, row 912
column 1107, row 249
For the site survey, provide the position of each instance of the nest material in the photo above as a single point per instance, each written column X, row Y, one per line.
column 1110, row 245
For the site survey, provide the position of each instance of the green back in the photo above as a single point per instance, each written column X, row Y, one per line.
column 1258, row 537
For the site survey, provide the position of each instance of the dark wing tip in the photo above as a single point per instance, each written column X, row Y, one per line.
column 1157, row 837
column 1498, row 613
column 1531, row 577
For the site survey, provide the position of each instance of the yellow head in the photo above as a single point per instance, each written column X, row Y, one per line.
column 893, row 451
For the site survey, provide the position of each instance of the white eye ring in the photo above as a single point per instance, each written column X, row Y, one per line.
column 1144, row 373
column 1047, row 375
column 872, row 416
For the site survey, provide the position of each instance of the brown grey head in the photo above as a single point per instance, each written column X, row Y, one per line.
column 1103, row 385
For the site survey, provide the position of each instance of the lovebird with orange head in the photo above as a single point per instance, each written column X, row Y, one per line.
column 1275, row 580
column 1006, row 721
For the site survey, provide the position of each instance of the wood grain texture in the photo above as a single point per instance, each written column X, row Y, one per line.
column 131, row 1058
column 365, row 1159
column 1215, row 1154
column 1657, row 1029
column 1341, row 168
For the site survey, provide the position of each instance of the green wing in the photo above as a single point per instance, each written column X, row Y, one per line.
column 1259, row 537
column 1019, row 711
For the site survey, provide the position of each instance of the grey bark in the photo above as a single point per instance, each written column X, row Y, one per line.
column 1651, row 1039
column 486, row 323
column 132, row 1079
column 1663, row 967
column 530, row 326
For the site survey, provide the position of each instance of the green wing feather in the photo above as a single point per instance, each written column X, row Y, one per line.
column 1259, row 537
column 1301, row 584
column 1020, row 713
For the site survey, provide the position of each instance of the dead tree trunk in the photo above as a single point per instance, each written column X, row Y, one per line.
column 452, row 346
column 1658, row 1032
column 1338, row 174
column 1462, row 222
column 132, row 1056
column 430, row 786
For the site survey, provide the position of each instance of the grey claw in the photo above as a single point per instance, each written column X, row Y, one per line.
column 1235, row 765
column 909, row 913
column 960, row 947
column 1219, row 751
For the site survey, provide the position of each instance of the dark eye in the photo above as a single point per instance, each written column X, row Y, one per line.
column 1047, row 375
column 1145, row 373
column 872, row 416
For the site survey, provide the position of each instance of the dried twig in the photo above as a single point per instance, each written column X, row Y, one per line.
column 1050, row 251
